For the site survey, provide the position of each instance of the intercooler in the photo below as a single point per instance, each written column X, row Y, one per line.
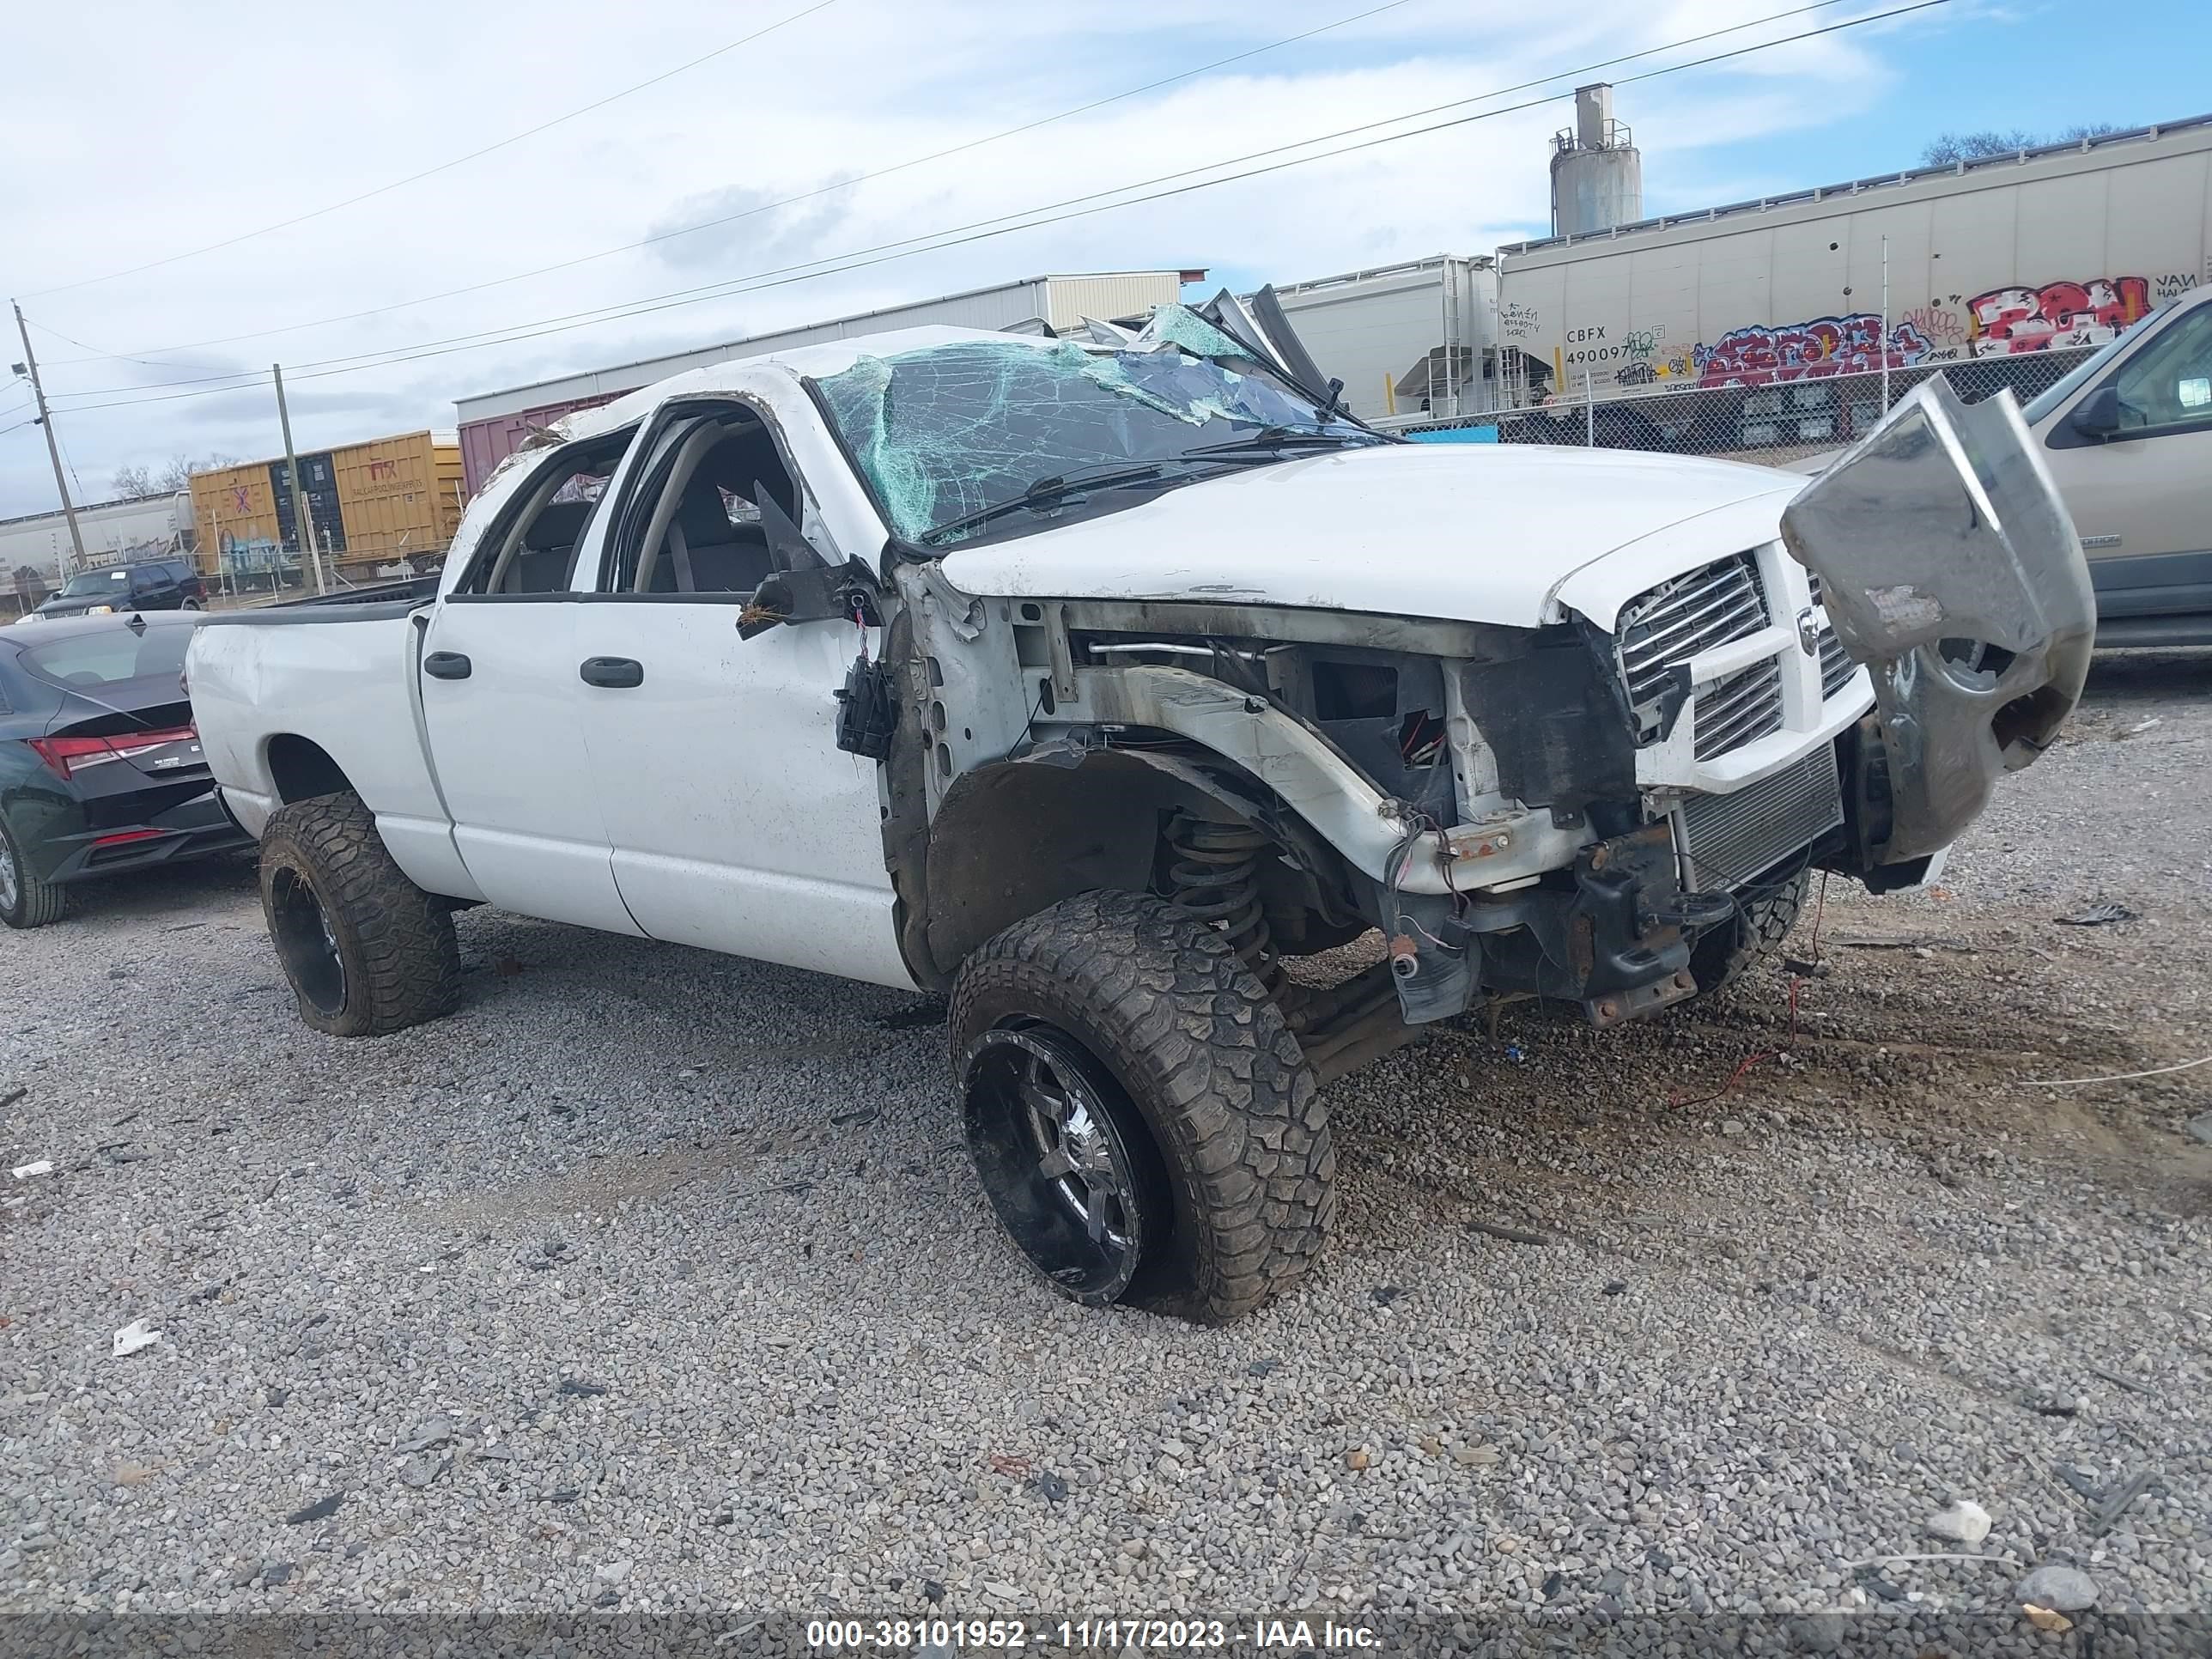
column 1732, row 839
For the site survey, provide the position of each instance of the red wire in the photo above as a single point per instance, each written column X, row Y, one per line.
column 1819, row 907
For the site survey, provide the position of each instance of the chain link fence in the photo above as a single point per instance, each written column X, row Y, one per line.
column 1773, row 416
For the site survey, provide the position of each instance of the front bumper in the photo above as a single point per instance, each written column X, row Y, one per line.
column 193, row 829
column 1951, row 569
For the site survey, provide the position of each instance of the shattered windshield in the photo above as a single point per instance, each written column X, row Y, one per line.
column 947, row 433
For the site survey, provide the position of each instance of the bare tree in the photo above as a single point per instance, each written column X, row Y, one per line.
column 177, row 473
column 134, row 481
column 1948, row 148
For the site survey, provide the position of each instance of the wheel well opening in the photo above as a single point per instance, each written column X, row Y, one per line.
column 1014, row 839
column 302, row 768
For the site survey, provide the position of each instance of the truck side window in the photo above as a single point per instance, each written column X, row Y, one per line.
column 532, row 549
column 2168, row 386
column 704, row 534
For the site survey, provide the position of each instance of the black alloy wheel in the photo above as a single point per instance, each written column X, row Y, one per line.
column 1063, row 1158
column 306, row 942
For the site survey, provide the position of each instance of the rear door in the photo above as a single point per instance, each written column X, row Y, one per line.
column 2141, row 495
column 500, row 700
column 738, row 824
column 154, row 587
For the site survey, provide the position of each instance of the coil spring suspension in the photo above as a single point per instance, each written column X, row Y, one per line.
column 1215, row 875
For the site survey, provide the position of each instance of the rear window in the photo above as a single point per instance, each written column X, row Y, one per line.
column 109, row 656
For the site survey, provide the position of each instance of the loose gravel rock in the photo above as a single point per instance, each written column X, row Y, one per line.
column 2065, row 1590
column 1963, row 1521
column 669, row 1269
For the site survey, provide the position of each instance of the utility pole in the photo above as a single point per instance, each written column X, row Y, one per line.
column 30, row 367
column 303, row 516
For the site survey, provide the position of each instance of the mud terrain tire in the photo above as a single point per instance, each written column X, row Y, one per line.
column 1204, row 1083
column 1761, row 922
column 365, row 950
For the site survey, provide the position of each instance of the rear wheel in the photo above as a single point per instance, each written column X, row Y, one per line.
column 366, row 951
column 1763, row 916
column 1139, row 1115
column 25, row 901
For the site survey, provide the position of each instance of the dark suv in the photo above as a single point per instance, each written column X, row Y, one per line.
column 151, row 585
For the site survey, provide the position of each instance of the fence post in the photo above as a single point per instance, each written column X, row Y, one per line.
column 1590, row 413
column 1885, row 326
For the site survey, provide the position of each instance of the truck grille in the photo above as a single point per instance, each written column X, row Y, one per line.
column 1733, row 839
column 1836, row 665
column 1739, row 709
column 1708, row 606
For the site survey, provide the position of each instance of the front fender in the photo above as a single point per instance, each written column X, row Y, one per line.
column 1949, row 568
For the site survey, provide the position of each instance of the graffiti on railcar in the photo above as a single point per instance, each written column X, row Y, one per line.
column 2056, row 317
column 1825, row 346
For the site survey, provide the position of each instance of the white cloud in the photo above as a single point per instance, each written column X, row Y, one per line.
column 139, row 132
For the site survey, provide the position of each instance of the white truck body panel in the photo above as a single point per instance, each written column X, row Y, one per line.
column 1483, row 533
column 345, row 686
column 732, row 813
column 504, row 746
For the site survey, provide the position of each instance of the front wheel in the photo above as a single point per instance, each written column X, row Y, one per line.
column 1142, row 1118
column 1764, row 913
column 366, row 951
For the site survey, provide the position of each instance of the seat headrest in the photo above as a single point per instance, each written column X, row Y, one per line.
column 557, row 526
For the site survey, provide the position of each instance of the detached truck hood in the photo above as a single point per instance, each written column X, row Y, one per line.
column 1487, row 533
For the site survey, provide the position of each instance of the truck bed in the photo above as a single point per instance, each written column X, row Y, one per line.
column 350, row 603
column 287, row 712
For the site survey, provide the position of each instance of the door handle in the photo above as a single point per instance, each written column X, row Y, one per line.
column 447, row 665
column 615, row 673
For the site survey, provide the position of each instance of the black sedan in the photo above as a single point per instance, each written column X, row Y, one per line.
column 101, row 767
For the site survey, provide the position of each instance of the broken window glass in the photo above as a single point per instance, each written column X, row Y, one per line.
column 947, row 432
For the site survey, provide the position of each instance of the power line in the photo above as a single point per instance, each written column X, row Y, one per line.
column 980, row 230
column 442, row 167
column 109, row 356
column 69, row 461
column 771, row 207
column 808, row 195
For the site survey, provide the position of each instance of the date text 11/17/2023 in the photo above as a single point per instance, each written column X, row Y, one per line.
column 1113, row 1634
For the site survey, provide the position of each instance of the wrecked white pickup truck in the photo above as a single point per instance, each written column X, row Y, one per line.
column 1089, row 679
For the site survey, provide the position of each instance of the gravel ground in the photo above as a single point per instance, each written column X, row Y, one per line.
column 657, row 1280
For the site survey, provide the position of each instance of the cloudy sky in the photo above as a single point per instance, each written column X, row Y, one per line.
column 136, row 134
